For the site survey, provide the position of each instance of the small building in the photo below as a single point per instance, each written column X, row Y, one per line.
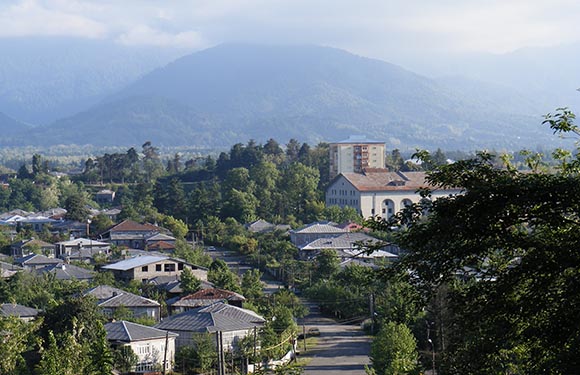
column 346, row 245
column 105, row 196
column 151, row 345
column 146, row 267
column 204, row 297
column 22, row 312
column 8, row 270
column 131, row 234
column 314, row 231
column 62, row 271
column 171, row 285
column 65, row 249
column 31, row 246
column 36, row 261
column 111, row 299
column 234, row 322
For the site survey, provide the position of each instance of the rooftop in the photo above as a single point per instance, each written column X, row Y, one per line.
column 128, row 332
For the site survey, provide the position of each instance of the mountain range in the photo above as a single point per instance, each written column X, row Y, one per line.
column 236, row 92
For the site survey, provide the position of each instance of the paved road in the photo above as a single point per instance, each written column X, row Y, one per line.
column 341, row 349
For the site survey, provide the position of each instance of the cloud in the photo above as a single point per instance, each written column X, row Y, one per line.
column 32, row 18
column 145, row 35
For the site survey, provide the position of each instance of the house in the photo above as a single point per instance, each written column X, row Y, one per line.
column 22, row 312
column 105, row 196
column 8, row 270
column 131, row 234
column 234, row 322
column 160, row 242
column 143, row 268
column 36, row 261
column 378, row 192
column 347, row 245
column 260, row 226
column 314, row 231
column 151, row 345
column 204, row 297
column 75, row 229
column 36, row 222
column 62, row 271
column 171, row 285
column 66, row 249
column 31, row 246
column 110, row 213
column 111, row 299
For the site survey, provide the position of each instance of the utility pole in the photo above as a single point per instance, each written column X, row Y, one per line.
column 304, row 336
column 165, row 354
column 372, row 310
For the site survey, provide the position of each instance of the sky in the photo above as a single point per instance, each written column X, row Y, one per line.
column 375, row 28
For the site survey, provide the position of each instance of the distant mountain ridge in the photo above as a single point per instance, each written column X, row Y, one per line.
column 234, row 92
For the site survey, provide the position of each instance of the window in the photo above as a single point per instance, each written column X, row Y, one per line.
column 180, row 266
column 158, row 267
column 145, row 269
column 170, row 267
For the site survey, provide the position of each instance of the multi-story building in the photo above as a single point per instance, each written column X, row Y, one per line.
column 356, row 154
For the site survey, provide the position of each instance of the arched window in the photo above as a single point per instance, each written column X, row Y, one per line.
column 387, row 208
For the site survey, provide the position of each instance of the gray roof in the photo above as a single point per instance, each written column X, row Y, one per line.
column 82, row 242
column 216, row 317
column 320, row 228
column 138, row 261
column 160, row 237
column 12, row 309
column 260, row 226
column 109, row 296
column 205, row 297
column 343, row 242
column 172, row 284
column 128, row 332
column 36, row 260
column 67, row 272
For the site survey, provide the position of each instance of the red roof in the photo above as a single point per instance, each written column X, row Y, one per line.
column 132, row 226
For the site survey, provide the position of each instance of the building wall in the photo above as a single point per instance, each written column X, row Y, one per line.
column 353, row 157
column 151, row 353
column 375, row 203
column 161, row 268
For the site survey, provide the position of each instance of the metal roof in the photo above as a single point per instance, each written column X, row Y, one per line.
column 128, row 332
column 216, row 317
column 12, row 309
column 138, row 261
column 109, row 296
column 67, row 272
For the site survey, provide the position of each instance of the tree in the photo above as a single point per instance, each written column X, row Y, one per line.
column 252, row 286
column 76, row 209
column 327, row 264
column 394, row 350
column 125, row 359
column 16, row 336
column 189, row 283
column 220, row 275
column 512, row 238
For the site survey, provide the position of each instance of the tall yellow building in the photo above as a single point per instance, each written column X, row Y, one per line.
column 355, row 154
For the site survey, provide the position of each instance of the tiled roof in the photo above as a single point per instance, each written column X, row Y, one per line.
column 160, row 237
column 161, row 245
column 67, row 272
column 109, row 296
column 320, row 228
column 382, row 180
column 132, row 226
column 128, row 332
column 260, row 226
column 212, row 318
column 12, row 309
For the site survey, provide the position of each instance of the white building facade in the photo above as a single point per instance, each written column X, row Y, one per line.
column 378, row 192
column 355, row 154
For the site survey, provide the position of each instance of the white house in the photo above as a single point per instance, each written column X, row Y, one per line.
column 378, row 192
column 147, row 343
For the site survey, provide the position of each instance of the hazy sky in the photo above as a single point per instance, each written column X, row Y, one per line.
column 378, row 28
